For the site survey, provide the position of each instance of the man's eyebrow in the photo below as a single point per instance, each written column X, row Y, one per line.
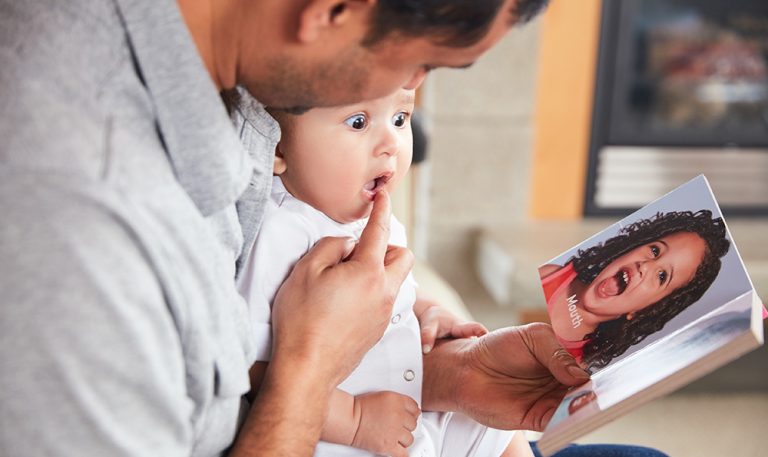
column 512, row 17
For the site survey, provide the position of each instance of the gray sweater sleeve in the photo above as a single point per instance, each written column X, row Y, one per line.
column 91, row 360
column 121, row 331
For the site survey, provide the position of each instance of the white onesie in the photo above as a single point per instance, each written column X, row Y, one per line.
column 289, row 229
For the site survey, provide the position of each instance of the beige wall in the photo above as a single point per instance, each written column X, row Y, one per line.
column 480, row 148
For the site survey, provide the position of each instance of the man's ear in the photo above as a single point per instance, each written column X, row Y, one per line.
column 280, row 165
column 320, row 15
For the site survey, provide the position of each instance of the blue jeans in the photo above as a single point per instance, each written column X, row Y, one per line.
column 602, row 450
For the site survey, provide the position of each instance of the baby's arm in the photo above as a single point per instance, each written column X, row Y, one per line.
column 437, row 322
column 380, row 422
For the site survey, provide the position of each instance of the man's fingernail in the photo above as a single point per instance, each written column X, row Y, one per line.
column 578, row 372
column 426, row 348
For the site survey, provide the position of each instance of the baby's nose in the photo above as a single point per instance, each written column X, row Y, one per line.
column 389, row 145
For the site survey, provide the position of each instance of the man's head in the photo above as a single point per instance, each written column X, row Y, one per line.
column 298, row 55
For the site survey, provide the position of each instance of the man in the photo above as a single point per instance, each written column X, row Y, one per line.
column 121, row 330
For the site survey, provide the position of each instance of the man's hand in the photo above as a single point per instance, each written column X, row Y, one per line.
column 386, row 423
column 336, row 302
column 513, row 378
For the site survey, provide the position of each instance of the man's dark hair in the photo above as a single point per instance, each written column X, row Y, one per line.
column 458, row 23
column 612, row 338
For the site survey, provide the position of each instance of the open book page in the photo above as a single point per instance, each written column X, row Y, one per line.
column 643, row 278
column 648, row 305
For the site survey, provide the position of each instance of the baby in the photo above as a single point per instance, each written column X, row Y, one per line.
column 329, row 166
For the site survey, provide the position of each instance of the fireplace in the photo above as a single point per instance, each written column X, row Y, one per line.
column 681, row 89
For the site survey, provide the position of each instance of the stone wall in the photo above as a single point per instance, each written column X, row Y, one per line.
column 480, row 149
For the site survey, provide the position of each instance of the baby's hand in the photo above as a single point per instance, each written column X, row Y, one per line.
column 438, row 322
column 386, row 422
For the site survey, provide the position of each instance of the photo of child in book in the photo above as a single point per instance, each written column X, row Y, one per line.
column 330, row 165
column 611, row 296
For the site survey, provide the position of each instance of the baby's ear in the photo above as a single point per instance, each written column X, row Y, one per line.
column 280, row 165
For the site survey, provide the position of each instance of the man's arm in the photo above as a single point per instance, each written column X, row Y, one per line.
column 289, row 412
column 91, row 359
column 343, row 417
column 380, row 422
column 316, row 343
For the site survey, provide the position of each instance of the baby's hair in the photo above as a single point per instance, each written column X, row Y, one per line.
column 612, row 338
column 279, row 114
column 284, row 118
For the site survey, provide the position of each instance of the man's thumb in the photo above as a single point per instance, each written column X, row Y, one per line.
column 329, row 251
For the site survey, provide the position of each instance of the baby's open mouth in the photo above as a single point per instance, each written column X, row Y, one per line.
column 377, row 183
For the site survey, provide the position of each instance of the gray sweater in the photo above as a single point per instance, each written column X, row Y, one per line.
column 121, row 332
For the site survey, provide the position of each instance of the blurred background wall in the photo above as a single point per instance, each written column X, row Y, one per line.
column 487, row 212
column 480, row 150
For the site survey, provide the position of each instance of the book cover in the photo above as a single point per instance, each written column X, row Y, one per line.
column 648, row 305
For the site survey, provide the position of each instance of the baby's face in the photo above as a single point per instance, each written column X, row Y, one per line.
column 338, row 158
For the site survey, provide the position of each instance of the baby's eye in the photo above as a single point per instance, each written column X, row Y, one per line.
column 662, row 277
column 655, row 250
column 399, row 119
column 357, row 122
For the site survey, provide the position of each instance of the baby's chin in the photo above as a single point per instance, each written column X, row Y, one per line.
column 365, row 213
column 352, row 216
